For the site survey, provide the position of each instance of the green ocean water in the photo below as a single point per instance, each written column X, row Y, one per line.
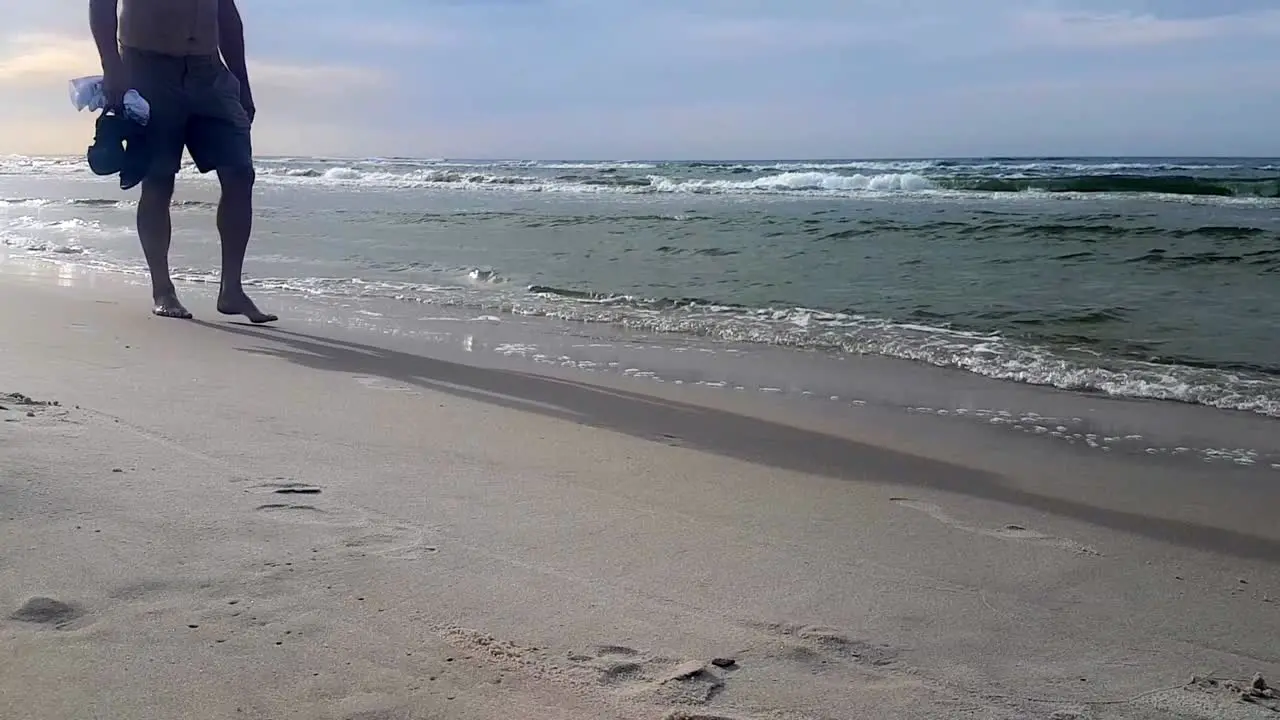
column 1155, row 278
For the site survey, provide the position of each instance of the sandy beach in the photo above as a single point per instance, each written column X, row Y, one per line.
column 210, row 520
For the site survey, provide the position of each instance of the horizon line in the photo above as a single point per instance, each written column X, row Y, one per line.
column 836, row 159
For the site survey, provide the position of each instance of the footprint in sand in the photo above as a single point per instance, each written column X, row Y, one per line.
column 376, row 383
column 283, row 508
column 634, row 673
column 301, row 511
column 290, row 488
column 393, row 714
column 616, row 669
column 47, row 612
column 362, row 532
column 26, row 403
column 393, row 540
column 616, row 665
column 1008, row 532
column 17, row 407
column 819, row 646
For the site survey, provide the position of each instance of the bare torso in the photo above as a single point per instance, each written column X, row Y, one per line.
column 171, row 27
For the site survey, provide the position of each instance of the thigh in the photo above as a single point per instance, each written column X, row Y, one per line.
column 216, row 144
column 218, row 130
column 158, row 79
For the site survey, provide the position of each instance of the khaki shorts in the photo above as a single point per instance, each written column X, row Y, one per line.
column 195, row 104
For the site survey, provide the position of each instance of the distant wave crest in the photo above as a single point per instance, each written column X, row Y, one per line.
column 824, row 181
column 1206, row 180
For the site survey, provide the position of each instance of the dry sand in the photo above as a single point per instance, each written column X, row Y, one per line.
column 217, row 521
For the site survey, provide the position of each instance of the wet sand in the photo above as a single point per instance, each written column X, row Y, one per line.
column 306, row 521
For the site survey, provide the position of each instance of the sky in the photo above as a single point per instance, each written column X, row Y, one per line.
column 710, row 79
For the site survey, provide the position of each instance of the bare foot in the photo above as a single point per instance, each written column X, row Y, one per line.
column 240, row 304
column 168, row 305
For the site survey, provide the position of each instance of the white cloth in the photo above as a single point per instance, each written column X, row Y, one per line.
column 88, row 93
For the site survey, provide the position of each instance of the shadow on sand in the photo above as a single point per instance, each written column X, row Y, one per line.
column 723, row 433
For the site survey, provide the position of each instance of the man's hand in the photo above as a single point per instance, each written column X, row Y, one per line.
column 115, row 83
column 105, row 26
column 246, row 101
column 231, row 45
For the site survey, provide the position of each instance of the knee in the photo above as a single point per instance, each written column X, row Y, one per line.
column 238, row 179
column 156, row 189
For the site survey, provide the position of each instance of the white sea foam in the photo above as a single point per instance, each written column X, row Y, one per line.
column 985, row 354
column 804, row 178
column 811, row 182
column 59, row 236
column 800, row 181
column 25, row 243
column 597, row 166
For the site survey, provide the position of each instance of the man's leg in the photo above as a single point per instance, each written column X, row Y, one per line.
column 219, row 138
column 159, row 79
column 235, row 224
column 154, row 231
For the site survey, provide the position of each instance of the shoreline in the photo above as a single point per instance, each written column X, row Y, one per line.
column 837, row 386
column 407, row 247
column 328, row 521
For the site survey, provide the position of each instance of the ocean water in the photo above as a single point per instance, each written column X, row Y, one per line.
column 1130, row 277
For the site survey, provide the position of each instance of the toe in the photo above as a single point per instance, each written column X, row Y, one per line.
column 172, row 312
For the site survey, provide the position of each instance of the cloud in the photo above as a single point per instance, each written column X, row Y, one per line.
column 300, row 105
column 713, row 78
column 1083, row 30
column 36, row 59
column 390, row 35
column 33, row 60
column 752, row 35
column 317, row 81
